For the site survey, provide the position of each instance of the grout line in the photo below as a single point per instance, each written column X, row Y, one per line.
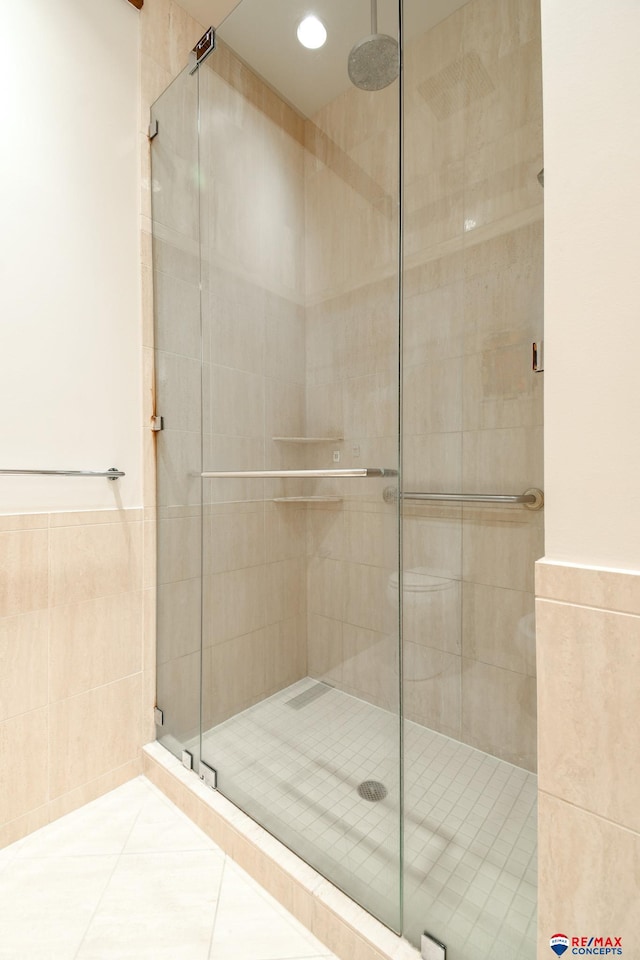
column 215, row 914
column 591, row 813
column 587, row 606
column 107, row 884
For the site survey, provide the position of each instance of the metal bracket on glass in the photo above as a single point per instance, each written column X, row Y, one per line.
column 157, row 424
column 158, row 717
column 209, row 775
column 187, row 760
column 205, row 45
column 432, row 949
column 153, row 129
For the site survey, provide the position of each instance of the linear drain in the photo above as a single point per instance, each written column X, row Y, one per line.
column 308, row 696
column 372, row 790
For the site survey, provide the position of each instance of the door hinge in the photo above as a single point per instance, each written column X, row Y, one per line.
column 205, row 45
column 153, row 129
column 187, row 760
column 158, row 716
column 157, row 424
column 538, row 356
column 209, row 775
column 432, row 949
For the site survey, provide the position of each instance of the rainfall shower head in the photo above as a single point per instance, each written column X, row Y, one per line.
column 374, row 62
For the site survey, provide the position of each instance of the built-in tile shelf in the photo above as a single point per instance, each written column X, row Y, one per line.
column 307, row 439
column 307, row 499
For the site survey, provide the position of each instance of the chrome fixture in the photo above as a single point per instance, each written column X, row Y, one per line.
column 432, row 949
column 533, row 498
column 374, row 62
column 300, row 474
column 205, row 45
column 111, row 474
column 541, row 177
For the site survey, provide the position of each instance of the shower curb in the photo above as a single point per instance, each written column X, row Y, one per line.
column 343, row 926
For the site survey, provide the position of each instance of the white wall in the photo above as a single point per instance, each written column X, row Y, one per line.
column 70, row 393
column 591, row 69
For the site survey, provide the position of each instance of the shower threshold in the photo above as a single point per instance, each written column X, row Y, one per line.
column 294, row 763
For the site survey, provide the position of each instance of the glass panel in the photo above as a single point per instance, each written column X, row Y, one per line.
column 473, row 424
column 176, row 282
column 299, row 214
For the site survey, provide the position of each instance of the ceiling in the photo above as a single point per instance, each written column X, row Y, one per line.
column 263, row 34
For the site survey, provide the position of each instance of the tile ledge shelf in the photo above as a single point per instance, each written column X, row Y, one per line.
column 345, row 927
column 307, row 439
column 307, row 500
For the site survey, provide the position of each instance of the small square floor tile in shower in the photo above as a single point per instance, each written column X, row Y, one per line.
column 470, row 820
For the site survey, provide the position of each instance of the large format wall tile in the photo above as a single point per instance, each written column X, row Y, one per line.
column 24, row 663
column 590, row 658
column 179, row 618
column 24, row 770
column 178, row 695
column 498, row 627
column 433, row 689
column 94, row 733
column 94, row 643
column 179, row 548
column 589, row 586
column 234, row 604
column 95, row 560
column 502, row 553
column 23, row 571
column 591, row 871
column 77, row 579
column 499, row 712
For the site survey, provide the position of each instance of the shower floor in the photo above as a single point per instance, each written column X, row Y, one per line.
column 294, row 763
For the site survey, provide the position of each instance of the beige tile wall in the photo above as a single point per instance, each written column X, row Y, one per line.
column 589, row 675
column 71, row 661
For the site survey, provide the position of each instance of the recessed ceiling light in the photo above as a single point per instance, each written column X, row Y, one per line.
column 312, row 33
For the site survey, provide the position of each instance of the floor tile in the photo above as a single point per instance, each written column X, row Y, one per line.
column 250, row 925
column 160, row 827
column 129, row 877
column 47, row 905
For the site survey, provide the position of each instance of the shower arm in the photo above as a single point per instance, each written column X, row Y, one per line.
column 374, row 17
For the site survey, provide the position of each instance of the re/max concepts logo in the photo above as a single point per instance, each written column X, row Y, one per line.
column 586, row 946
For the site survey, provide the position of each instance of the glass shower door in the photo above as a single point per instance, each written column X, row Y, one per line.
column 473, row 427
column 178, row 373
column 299, row 221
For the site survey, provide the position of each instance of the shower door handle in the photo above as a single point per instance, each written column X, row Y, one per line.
column 533, row 498
column 298, row 474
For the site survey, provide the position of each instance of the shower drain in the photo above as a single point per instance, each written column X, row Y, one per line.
column 372, row 790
